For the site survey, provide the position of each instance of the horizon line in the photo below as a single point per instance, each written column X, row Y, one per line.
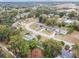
column 39, row 1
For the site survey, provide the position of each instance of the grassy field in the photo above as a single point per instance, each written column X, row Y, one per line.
column 35, row 27
column 47, row 32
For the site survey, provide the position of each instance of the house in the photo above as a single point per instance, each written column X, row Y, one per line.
column 61, row 31
column 15, row 25
column 29, row 37
column 22, row 15
column 68, row 21
column 50, row 15
column 64, row 32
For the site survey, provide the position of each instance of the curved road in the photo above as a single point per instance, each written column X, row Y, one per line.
column 27, row 26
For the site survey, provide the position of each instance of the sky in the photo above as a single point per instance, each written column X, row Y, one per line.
column 33, row 0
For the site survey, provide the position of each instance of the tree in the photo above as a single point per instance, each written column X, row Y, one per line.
column 37, row 14
column 52, row 48
column 13, row 13
column 20, row 48
column 72, row 27
column 51, row 21
column 38, row 37
column 33, row 44
column 27, row 10
column 72, row 14
column 30, row 15
column 61, row 14
column 5, row 33
column 23, row 48
column 42, row 18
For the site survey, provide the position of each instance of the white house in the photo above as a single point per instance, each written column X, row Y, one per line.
column 68, row 21
column 61, row 31
column 50, row 15
column 64, row 32
column 29, row 37
column 16, row 25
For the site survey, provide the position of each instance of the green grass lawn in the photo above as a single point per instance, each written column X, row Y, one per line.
column 35, row 27
column 47, row 32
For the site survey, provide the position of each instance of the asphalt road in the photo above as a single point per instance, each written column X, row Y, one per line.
column 27, row 26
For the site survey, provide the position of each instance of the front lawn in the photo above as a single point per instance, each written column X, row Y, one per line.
column 47, row 32
column 35, row 27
